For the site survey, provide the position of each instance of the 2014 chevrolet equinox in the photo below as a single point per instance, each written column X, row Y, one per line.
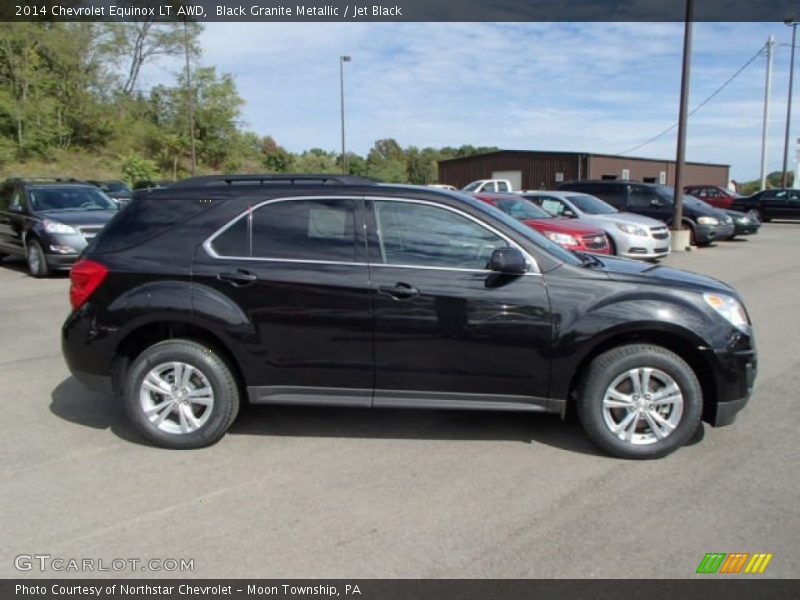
column 335, row 290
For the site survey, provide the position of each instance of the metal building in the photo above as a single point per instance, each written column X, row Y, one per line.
column 531, row 170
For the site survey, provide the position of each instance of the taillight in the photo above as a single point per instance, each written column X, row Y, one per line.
column 84, row 278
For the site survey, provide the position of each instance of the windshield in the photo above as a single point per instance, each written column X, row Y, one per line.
column 70, row 198
column 473, row 186
column 521, row 209
column 591, row 205
column 117, row 186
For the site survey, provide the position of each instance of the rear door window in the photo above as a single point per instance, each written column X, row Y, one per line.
column 312, row 229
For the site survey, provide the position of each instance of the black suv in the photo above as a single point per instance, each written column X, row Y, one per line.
column 705, row 222
column 50, row 221
column 335, row 290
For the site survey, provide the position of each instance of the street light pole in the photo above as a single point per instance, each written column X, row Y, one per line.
column 765, row 126
column 679, row 236
column 793, row 24
column 342, row 60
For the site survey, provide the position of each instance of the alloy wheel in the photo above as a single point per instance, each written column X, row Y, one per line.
column 642, row 406
column 176, row 398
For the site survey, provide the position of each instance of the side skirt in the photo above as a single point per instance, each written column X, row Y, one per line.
column 323, row 396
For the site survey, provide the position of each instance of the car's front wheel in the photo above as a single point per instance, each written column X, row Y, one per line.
column 37, row 261
column 640, row 401
column 181, row 394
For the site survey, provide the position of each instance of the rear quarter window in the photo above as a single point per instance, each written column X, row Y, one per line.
column 145, row 219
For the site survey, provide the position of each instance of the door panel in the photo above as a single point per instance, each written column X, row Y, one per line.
column 443, row 324
column 297, row 271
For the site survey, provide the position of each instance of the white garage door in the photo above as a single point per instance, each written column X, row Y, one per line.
column 515, row 177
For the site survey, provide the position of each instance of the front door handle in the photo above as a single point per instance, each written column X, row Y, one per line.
column 238, row 278
column 399, row 291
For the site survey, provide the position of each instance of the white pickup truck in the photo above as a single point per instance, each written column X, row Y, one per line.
column 489, row 185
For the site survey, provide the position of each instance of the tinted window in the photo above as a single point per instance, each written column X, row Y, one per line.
column 422, row 235
column 305, row 229
column 5, row 197
column 502, row 186
column 235, row 240
column 641, row 197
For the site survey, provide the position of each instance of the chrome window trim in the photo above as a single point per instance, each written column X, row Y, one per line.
column 533, row 266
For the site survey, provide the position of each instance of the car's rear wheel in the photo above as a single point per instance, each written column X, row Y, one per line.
column 640, row 401
column 181, row 394
column 37, row 261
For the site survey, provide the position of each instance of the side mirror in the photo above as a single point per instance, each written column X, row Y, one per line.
column 568, row 214
column 509, row 261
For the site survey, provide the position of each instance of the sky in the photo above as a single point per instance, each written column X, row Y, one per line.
column 588, row 87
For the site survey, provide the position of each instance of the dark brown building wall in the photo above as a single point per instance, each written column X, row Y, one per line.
column 536, row 169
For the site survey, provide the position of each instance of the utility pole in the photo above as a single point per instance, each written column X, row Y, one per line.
column 793, row 24
column 342, row 60
column 189, row 96
column 680, row 238
column 765, row 126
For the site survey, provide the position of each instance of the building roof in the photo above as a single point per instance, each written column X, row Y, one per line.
column 568, row 153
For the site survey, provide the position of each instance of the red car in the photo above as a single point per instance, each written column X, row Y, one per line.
column 563, row 232
column 716, row 196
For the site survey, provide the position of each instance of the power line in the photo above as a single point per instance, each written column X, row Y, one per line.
column 701, row 105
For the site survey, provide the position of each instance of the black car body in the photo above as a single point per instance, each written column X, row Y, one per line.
column 340, row 291
column 50, row 222
column 117, row 190
column 707, row 223
column 743, row 223
column 779, row 203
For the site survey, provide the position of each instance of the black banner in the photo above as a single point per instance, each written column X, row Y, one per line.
column 400, row 10
column 391, row 589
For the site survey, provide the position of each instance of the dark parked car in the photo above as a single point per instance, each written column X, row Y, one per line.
column 143, row 188
column 117, row 190
column 781, row 203
column 743, row 223
column 50, row 222
column 335, row 290
column 706, row 223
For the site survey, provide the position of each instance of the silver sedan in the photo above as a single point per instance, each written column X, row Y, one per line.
column 633, row 236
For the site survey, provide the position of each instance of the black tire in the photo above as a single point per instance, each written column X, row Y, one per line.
column 609, row 366
column 36, row 259
column 217, row 373
column 759, row 213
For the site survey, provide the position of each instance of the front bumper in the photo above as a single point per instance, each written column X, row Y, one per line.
column 61, row 262
column 642, row 247
column 746, row 228
column 734, row 373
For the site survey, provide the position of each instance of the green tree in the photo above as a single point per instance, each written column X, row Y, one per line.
column 386, row 161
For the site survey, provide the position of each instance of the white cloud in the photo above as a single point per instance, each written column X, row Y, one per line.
column 599, row 87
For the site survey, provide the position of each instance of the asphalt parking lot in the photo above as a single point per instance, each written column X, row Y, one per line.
column 323, row 492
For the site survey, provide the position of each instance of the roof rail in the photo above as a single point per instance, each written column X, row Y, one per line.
column 44, row 178
column 273, row 178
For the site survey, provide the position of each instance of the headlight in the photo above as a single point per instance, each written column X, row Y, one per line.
column 632, row 229
column 743, row 221
column 728, row 307
column 562, row 239
column 707, row 221
column 56, row 227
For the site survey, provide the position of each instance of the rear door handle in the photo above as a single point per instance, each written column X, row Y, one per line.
column 399, row 291
column 238, row 278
